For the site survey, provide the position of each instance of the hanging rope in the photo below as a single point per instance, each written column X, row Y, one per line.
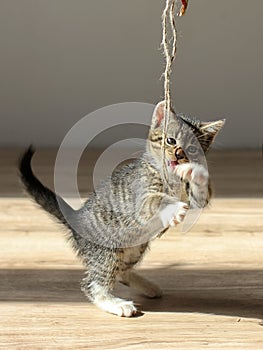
column 168, row 24
column 169, row 52
column 169, row 44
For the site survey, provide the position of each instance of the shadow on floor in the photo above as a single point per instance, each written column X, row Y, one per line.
column 236, row 293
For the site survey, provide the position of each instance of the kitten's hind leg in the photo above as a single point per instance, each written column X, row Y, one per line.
column 102, row 298
column 141, row 284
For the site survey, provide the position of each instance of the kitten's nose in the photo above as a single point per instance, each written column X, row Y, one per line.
column 179, row 153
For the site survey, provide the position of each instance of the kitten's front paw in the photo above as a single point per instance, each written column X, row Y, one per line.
column 173, row 214
column 193, row 172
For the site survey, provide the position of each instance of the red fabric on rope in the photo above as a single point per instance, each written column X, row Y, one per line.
column 183, row 8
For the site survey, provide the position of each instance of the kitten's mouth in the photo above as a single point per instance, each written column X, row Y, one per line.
column 173, row 164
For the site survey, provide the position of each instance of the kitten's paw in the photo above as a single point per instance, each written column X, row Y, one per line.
column 153, row 291
column 173, row 214
column 141, row 284
column 124, row 309
column 117, row 306
column 193, row 172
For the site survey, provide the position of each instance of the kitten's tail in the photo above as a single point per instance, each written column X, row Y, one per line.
column 47, row 199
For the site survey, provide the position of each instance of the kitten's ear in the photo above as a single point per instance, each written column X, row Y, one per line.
column 211, row 129
column 158, row 115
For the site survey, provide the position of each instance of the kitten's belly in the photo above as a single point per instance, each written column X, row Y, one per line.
column 131, row 256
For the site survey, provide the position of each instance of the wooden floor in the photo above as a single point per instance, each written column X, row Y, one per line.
column 212, row 277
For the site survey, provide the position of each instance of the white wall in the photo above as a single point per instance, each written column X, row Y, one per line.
column 61, row 59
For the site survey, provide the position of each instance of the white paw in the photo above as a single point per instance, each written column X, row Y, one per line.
column 119, row 307
column 124, row 309
column 193, row 172
column 173, row 214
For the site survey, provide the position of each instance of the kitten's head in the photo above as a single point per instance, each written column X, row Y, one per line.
column 186, row 139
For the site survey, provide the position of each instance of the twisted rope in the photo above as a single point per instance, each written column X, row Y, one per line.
column 169, row 45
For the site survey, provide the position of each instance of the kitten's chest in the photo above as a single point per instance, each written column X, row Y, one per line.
column 179, row 190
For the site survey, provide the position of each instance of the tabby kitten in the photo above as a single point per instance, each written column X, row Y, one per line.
column 139, row 202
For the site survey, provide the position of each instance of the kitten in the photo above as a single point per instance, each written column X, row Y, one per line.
column 139, row 202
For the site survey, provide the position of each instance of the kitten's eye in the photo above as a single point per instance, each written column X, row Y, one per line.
column 192, row 149
column 171, row 141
